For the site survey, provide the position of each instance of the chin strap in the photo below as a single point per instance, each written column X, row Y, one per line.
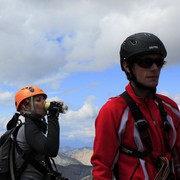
column 32, row 106
column 32, row 111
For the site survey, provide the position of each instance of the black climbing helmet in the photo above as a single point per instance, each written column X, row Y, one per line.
column 141, row 44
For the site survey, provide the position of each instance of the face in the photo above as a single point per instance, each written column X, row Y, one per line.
column 147, row 69
column 39, row 105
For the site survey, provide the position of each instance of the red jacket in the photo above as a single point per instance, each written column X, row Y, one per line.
column 115, row 125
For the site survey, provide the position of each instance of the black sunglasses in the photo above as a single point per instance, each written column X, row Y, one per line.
column 148, row 62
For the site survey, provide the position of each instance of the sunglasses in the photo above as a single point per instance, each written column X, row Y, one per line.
column 148, row 62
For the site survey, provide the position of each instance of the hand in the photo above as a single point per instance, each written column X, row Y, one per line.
column 54, row 109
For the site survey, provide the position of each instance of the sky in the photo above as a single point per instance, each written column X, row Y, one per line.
column 70, row 49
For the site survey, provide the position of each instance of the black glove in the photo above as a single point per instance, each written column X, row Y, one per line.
column 53, row 109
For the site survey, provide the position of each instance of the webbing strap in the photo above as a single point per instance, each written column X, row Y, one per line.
column 11, row 160
column 140, row 123
column 133, row 152
column 132, row 105
column 167, row 126
column 12, row 151
column 28, row 158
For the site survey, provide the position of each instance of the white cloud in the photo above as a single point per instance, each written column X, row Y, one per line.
column 40, row 38
column 3, row 122
column 6, row 97
column 43, row 42
column 80, row 123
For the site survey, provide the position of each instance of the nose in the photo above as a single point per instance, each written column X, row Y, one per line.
column 154, row 66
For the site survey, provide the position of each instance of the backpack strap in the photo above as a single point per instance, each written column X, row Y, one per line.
column 14, row 122
column 46, row 169
column 28, row 158
column 140, row 122
column 142, row 126
column 12, row 151
column 166, row 124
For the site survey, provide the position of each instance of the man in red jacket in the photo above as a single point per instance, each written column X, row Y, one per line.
column 150, row 147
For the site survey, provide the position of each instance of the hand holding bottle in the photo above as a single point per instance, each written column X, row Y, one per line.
column 55, row 107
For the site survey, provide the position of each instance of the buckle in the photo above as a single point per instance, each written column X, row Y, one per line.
column 167, row 126
column 141, row 124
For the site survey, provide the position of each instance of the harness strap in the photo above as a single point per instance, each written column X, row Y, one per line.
column 44, row 169
column 133, row 152
column 27, row 156
column 140, row 123
column 162, row 163
column 166, row 125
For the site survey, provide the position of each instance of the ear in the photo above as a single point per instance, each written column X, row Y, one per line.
column 126, row 67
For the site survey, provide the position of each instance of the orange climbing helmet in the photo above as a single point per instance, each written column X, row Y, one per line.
column 26, row 92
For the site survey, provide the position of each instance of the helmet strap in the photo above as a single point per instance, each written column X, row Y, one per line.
column 32, row 111
column 32, row 105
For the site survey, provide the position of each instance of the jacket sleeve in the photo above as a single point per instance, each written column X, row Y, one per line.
column 105, row 144
column 43, row 144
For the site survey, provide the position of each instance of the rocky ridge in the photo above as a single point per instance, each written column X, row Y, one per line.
column 74, row 163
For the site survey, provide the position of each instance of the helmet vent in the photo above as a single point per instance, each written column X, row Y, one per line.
column 133, row 42
column 31, row 89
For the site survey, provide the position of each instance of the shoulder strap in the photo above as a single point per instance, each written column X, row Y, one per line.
column 11, row 150
column 28, row 158
column 137, row 115
column 14, row 122
column 166, row 124
column 140, row 122
column 44, row 169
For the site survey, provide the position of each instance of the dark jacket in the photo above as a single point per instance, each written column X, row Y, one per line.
column 33, row 137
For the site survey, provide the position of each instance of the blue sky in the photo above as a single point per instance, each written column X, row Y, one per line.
column 71, row 50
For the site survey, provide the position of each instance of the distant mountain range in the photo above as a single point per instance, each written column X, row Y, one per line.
column 74, row 163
